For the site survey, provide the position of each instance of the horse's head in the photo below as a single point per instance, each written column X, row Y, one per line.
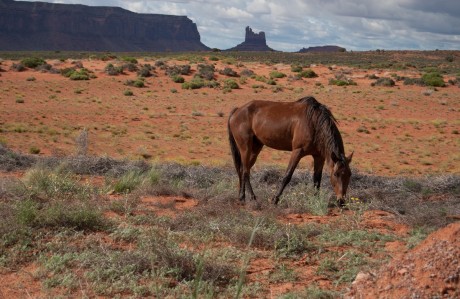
column 340, row 176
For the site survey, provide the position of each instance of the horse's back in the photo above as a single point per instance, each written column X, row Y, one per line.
column 275, row 124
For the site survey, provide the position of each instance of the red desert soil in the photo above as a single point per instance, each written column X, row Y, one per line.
column 392, row 130
column 401, row 130
column 430, row 270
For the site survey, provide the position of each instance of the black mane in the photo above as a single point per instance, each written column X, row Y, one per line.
column 327, row 135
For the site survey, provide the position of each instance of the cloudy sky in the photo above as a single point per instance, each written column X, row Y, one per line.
column 290, row 25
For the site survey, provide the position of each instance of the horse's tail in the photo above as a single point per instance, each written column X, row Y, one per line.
column 234, row 149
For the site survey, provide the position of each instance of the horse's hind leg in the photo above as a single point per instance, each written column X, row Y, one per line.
column 249, row 153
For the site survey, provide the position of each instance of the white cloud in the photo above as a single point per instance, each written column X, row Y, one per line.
column 292, row 24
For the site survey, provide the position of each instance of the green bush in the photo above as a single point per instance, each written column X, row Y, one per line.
column 139, row 83
column 195, row 83
column 341, row 82
column 32, row 62
column 433, row 79
column 206, row 71
column 276, row 74
column 178, row 79
column 130, row 59
column 112, row 70
column 230, row 83
column 80, row 75
column 296, row 68
column 128, row 93
column 308, row 74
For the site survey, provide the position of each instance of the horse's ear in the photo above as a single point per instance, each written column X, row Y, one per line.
column 350, row 157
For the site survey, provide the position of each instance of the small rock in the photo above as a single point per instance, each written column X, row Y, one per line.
column 362, row 276
column 403, row 271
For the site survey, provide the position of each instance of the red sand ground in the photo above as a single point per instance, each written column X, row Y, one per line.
column 392, row 130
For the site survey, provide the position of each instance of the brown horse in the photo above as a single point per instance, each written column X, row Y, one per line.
column 304, row 127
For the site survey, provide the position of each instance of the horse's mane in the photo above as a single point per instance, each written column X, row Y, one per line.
column 327, row 136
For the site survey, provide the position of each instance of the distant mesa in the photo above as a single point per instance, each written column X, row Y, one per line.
column 36, row 26
column 253, row 42
column 323, row 49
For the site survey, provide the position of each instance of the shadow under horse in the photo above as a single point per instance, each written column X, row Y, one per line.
column 304, row 127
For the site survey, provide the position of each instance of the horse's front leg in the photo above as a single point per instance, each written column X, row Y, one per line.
column 318, row 164
column 295, row 158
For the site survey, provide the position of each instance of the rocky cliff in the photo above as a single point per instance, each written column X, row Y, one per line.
column 46, row 26
column 322, row 49
column 252, row 42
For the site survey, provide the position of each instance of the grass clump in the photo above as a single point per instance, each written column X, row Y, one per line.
column 112, row 70
column 178, row 79
column 231, row 84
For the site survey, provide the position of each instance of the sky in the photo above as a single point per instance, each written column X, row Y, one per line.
column 290, row 25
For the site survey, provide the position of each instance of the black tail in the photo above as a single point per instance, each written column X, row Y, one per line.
column 234, row 149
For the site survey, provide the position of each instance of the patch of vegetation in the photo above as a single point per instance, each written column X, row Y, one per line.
column 341, row 82
column 206, row 71
column 112, row 70
column 433, row 79
column 32, row 62
column 178, row 79
column 308, row 73
column 139, row 83
column 387, row 82
column 277, row 75
column 228, row 72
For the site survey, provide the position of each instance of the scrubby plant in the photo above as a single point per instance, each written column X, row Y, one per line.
column 32, row 62
column 230, row 83
column 247, row 73
column 308, row 73
column 18, row 67
column 178, row 79
column 295, row 68
column 341, row 82
column 206, row 71
column 195, row 83
column 145, row 71
column 388, row 82
column 277, row 75
column 139, row 82
column 433, row 79
column 128, row 92
column 112, row 70
column 129, row 59
column 228, row 72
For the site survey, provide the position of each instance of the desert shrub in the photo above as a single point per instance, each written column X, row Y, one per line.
column 18, row 67
column 206, row 71
column 214, row 58
column 231, row 84
column 295, row 68
column 129, row 59
column 139, row 82
column 247, row 73
column 373, row 76
column 178, row 79
column 341, row 82
column 178, row 70
column 130, row 67
column 413, row 81
column 276, row 74
column 308, row 73
column 112, row 70
column 433, row 79
column 144, row 71
column 82, row 74
column 271, row 82
column 195, row 83
column 46, row 67
column 31, row 78
column 228, row 72
column 32, row 62
column 128, row 93
column 384, row 82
